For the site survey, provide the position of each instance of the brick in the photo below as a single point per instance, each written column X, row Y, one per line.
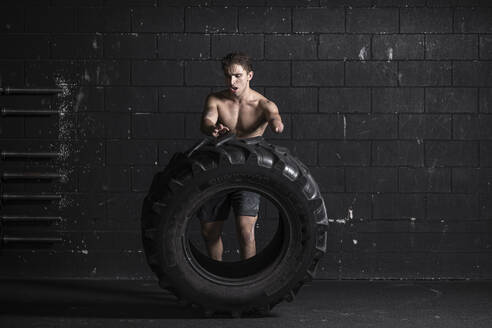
column 451, row 153
column 122, row 206
column 306, row 151
column 329, row 179
column 12, row 73
column 153, row 126
column 192, row 127
column 451, row 100
column 398, row 46
column 413, row 73
column 371, row 179
column 426, row 20
column 398, row 206
column 265, row 20
column 12, row 20
column 345, row 3
column 167, row 148
column 485, row 100
column 310, row 126
column 398, row 153
column 129, row 46
column 91, row 125
column 268, row 73
column 485, row 206
column 339, row 205
column 296, row 3
column 291, row 47
column 294, row 100
column 77, row 3
column 468, row 180
column 123, row 152
column 46, row 73
column 344, row 46
column 28, row 101
column 125, row 99
column 424, row 179
column 88, row 99
column 104, row 125
column 319, row 20
column 344, row 153
column 84, row 152
column 11, row 127
column 39, row 19
column 485, row 153
column 253, row 45
column 209, row 73
column 371, row 126
column 485, row 46
column 345, row 100
column 239, row 3
column 372, row 20
column 102, row 179
column 401, row 3
column 472, row 73
column 142, row 177
column 130, row 3
column 466, row 127
column 157, row 72
column 424, row 126
column 317, row 73
column 371, row 74
column 473, row 20
column 182, row 99
column 451, row 46
column 48, row 127
column 211, row 20
column 14, row 46
column 163, row 19
column 105, row 72
column 454, row 3
column 184, row 3
column 398, row 100
column 452, row 207
column 103, row 20
column 76, row 46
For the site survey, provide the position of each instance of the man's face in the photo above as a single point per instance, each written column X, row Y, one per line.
column 237, row 79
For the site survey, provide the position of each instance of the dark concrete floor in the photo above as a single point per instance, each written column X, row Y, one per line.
column 130, row 303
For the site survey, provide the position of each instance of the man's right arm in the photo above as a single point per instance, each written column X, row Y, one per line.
column 210, row 116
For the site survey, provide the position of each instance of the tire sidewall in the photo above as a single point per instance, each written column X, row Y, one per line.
column 267, row 286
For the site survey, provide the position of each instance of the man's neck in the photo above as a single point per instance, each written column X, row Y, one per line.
column 242, row 97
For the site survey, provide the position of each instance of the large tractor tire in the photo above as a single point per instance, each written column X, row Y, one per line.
column 220, row 166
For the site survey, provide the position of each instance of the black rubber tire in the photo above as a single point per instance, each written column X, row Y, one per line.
column 274, row 274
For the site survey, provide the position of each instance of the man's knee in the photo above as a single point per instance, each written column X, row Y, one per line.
column 247, row 232
column 211, row 231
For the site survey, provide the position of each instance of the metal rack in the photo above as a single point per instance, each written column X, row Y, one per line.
column 6, row 177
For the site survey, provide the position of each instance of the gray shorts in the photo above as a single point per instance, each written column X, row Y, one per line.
column 242, row 202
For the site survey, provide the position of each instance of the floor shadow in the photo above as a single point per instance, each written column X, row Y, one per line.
column 91, row 298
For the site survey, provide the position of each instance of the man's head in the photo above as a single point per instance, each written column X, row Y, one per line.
column 238, row 71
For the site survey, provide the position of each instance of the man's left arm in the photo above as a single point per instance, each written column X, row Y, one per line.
column 272, row 116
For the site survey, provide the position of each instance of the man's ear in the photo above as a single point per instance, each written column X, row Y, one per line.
column 250, row 75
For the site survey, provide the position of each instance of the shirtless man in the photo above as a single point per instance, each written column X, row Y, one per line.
column 246, row 113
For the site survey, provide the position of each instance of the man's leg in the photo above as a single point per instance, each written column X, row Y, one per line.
column 245, row 226
column 211, row 232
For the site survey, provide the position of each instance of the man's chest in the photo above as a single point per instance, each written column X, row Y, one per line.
column 238, row 115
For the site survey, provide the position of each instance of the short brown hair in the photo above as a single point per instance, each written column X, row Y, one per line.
column 237, row 58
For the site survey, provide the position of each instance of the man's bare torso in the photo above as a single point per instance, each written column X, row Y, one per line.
column 246, row 118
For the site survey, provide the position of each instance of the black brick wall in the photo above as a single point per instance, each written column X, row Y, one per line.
column 389, row 102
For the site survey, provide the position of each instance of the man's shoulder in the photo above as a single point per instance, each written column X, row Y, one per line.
column 266, row 103
column 216, row 95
